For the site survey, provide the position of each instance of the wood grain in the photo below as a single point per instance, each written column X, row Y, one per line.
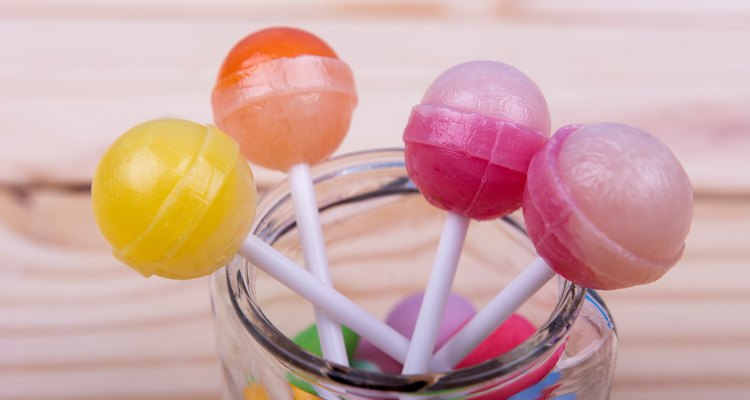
column 88, row 327
column 75, row 324
column 94, row 69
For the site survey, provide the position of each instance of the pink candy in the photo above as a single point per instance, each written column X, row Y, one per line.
column 505, row 338
column 469, row 144
column 607, row 205
column 403, row 318
column 514, row 331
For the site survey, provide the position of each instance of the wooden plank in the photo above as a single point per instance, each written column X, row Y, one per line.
column 70, row 314
column 180, row 380
column 75, row 324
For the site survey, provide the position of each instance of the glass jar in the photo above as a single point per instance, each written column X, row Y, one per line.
column 381, row 237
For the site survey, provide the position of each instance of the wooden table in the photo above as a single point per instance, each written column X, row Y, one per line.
column 74, row 324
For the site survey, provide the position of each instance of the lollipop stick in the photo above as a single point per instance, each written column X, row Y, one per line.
column 313, row 247
column 518, row 291
column 436, row 295
column 335, row 304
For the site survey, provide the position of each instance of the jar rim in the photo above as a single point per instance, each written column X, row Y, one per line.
column 548, row 336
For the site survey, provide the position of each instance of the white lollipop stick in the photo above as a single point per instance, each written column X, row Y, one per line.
column 313, row 248
column 499, row 309
column 335, row 304
column 435, row 297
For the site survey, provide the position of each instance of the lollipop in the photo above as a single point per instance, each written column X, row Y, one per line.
column 308, row 339
column 403, row 318
column 174, row 198
column 284, row 95
column 514, row 331
column 470, row 141
column 177, row 171
column 607, row 206
column 255, row 391
column 467, row 149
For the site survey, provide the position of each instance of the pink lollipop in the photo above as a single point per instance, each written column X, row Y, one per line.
column 403, row 317
column 467, row 148
column 607, row 206
column 514, row 331
column 468, row 145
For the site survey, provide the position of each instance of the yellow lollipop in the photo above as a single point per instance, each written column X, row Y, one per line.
column 176, row 199
column 161, row 195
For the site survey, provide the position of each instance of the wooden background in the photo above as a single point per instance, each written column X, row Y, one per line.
column 74, row 324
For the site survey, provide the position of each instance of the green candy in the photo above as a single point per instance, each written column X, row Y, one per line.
column 308, row 339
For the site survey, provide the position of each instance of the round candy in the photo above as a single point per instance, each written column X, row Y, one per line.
column 505, row 338
column 284, row 95
column 174, row 198
column 300, row 394
column 403, row 318
column 469, row 143
column 365, row 365
column 309, row 340
column 608, row 206
column 255, row 391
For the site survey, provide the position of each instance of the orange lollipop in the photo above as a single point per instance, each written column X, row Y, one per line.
column 284, row 95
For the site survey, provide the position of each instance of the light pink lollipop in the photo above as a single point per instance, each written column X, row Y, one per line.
column 467, row 149
column 607, row 206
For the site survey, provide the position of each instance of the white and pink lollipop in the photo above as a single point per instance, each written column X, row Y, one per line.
column 607, row 206
column 467, row 148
